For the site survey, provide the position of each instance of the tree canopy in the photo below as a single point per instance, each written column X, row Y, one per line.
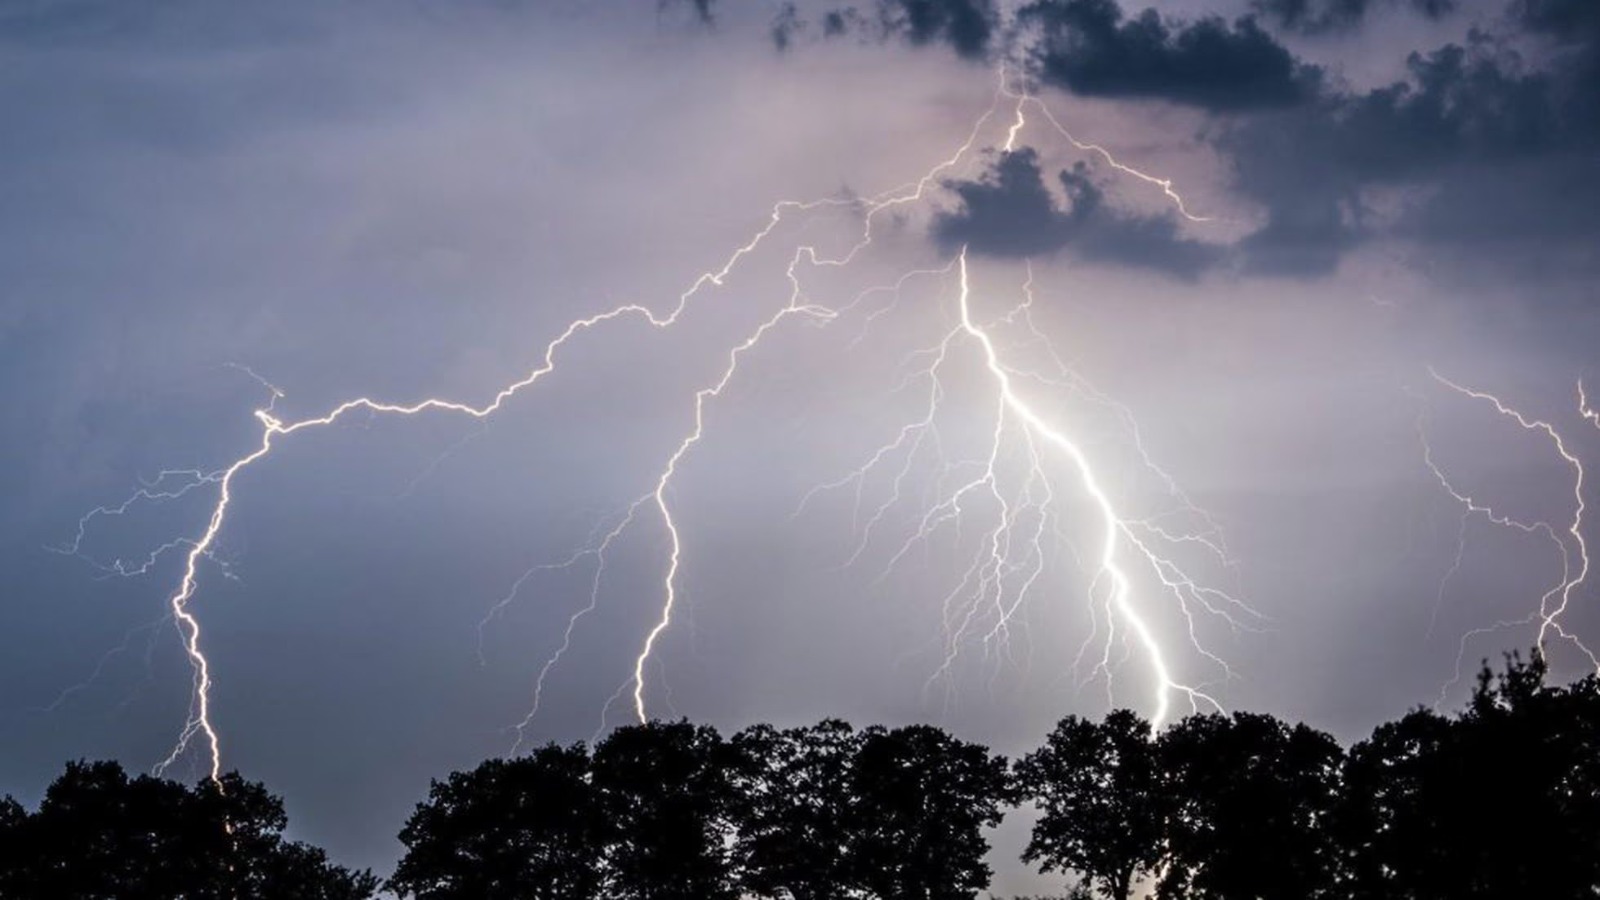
column 1102, row 803
column 530, row 827
column 795, row 808
column 921, row 800
column 100, row 835
column 1501, row 799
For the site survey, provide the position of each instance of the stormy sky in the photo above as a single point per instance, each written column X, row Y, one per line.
column 401, row 200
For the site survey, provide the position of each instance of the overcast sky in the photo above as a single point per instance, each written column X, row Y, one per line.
column 413, row 199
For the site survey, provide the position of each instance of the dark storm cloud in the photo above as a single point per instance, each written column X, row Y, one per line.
column 1488, row 139
column 702, row 8
column 785, row 24
column 1490, row 143
column 966, row 26
column 1504, row 148
column 1011, row 214
column 1570, row 20
column 1089, row 48
column 1313, row 17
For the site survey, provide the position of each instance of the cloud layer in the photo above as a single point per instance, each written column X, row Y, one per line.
column 1488, row 138
column 1010, row 213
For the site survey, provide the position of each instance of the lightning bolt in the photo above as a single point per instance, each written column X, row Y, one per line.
column 659, row 495
column 1010, row 562
column 1027, row 523
column 199, row 723
column 1027, row 99
column 1569, row 540
column 1115, row 529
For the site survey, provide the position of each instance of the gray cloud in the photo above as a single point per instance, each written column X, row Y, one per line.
column 1011, row 214
column 1314, row 17
column 786, row 24
column 409, row 200
column 702, row 8
column 1570, row 20
column 1303, row 148
column 1089, row 48
column 1499, row 145
column 968, row 27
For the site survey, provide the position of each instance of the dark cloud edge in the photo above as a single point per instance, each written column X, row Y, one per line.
column 1303, row 147
column 1008, row 212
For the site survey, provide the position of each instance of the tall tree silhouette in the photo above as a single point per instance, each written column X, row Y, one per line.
column 1254, row 800
column 1502, row 801
column 1103, row 807
column 920, row 800
column 12, row 857
column 794, row 811
column 530, row 827
column 99, row 834
column 667, row 789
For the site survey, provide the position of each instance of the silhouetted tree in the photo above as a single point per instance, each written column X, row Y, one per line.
column 668, row 791
column 530, row 827
column 99, row 834
column 1102, row 801
column 1502, row 801
column 1253, row 803
column 795, row 819
column 12, row 819
column 1390, row 802
column 920, row 800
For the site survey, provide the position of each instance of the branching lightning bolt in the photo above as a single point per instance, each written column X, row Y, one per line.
column 1026, row 524
column 1569, row 540
column 1026, row 99
column 1115, row 528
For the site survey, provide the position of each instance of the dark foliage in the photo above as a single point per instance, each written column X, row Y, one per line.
column 1503, row 801
column 524, row 828
column 1500, row 800
column 1252, row 800
column 100, row 834
column 645, row 818
column 668, row 791
column 921, row 800
column 795, row 809
column 1103, row 806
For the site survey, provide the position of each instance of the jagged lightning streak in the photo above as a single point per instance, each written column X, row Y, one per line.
column 199, row 725
column 870, row 209
column 1026, row 98
column 1114, row 527
column 1569, row 540
column 199, row 722
column 659, row 495
column 1011, row 559
column 1169, row 574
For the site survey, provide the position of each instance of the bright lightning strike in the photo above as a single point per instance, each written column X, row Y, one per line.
column 1568, row 540
column 1115, row 528
column 1025, row 99
column 1013, row 564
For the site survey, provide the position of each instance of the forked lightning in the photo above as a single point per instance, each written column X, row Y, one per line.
column 1128, row 555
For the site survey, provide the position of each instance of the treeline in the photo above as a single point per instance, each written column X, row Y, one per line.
column 1501, row 800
